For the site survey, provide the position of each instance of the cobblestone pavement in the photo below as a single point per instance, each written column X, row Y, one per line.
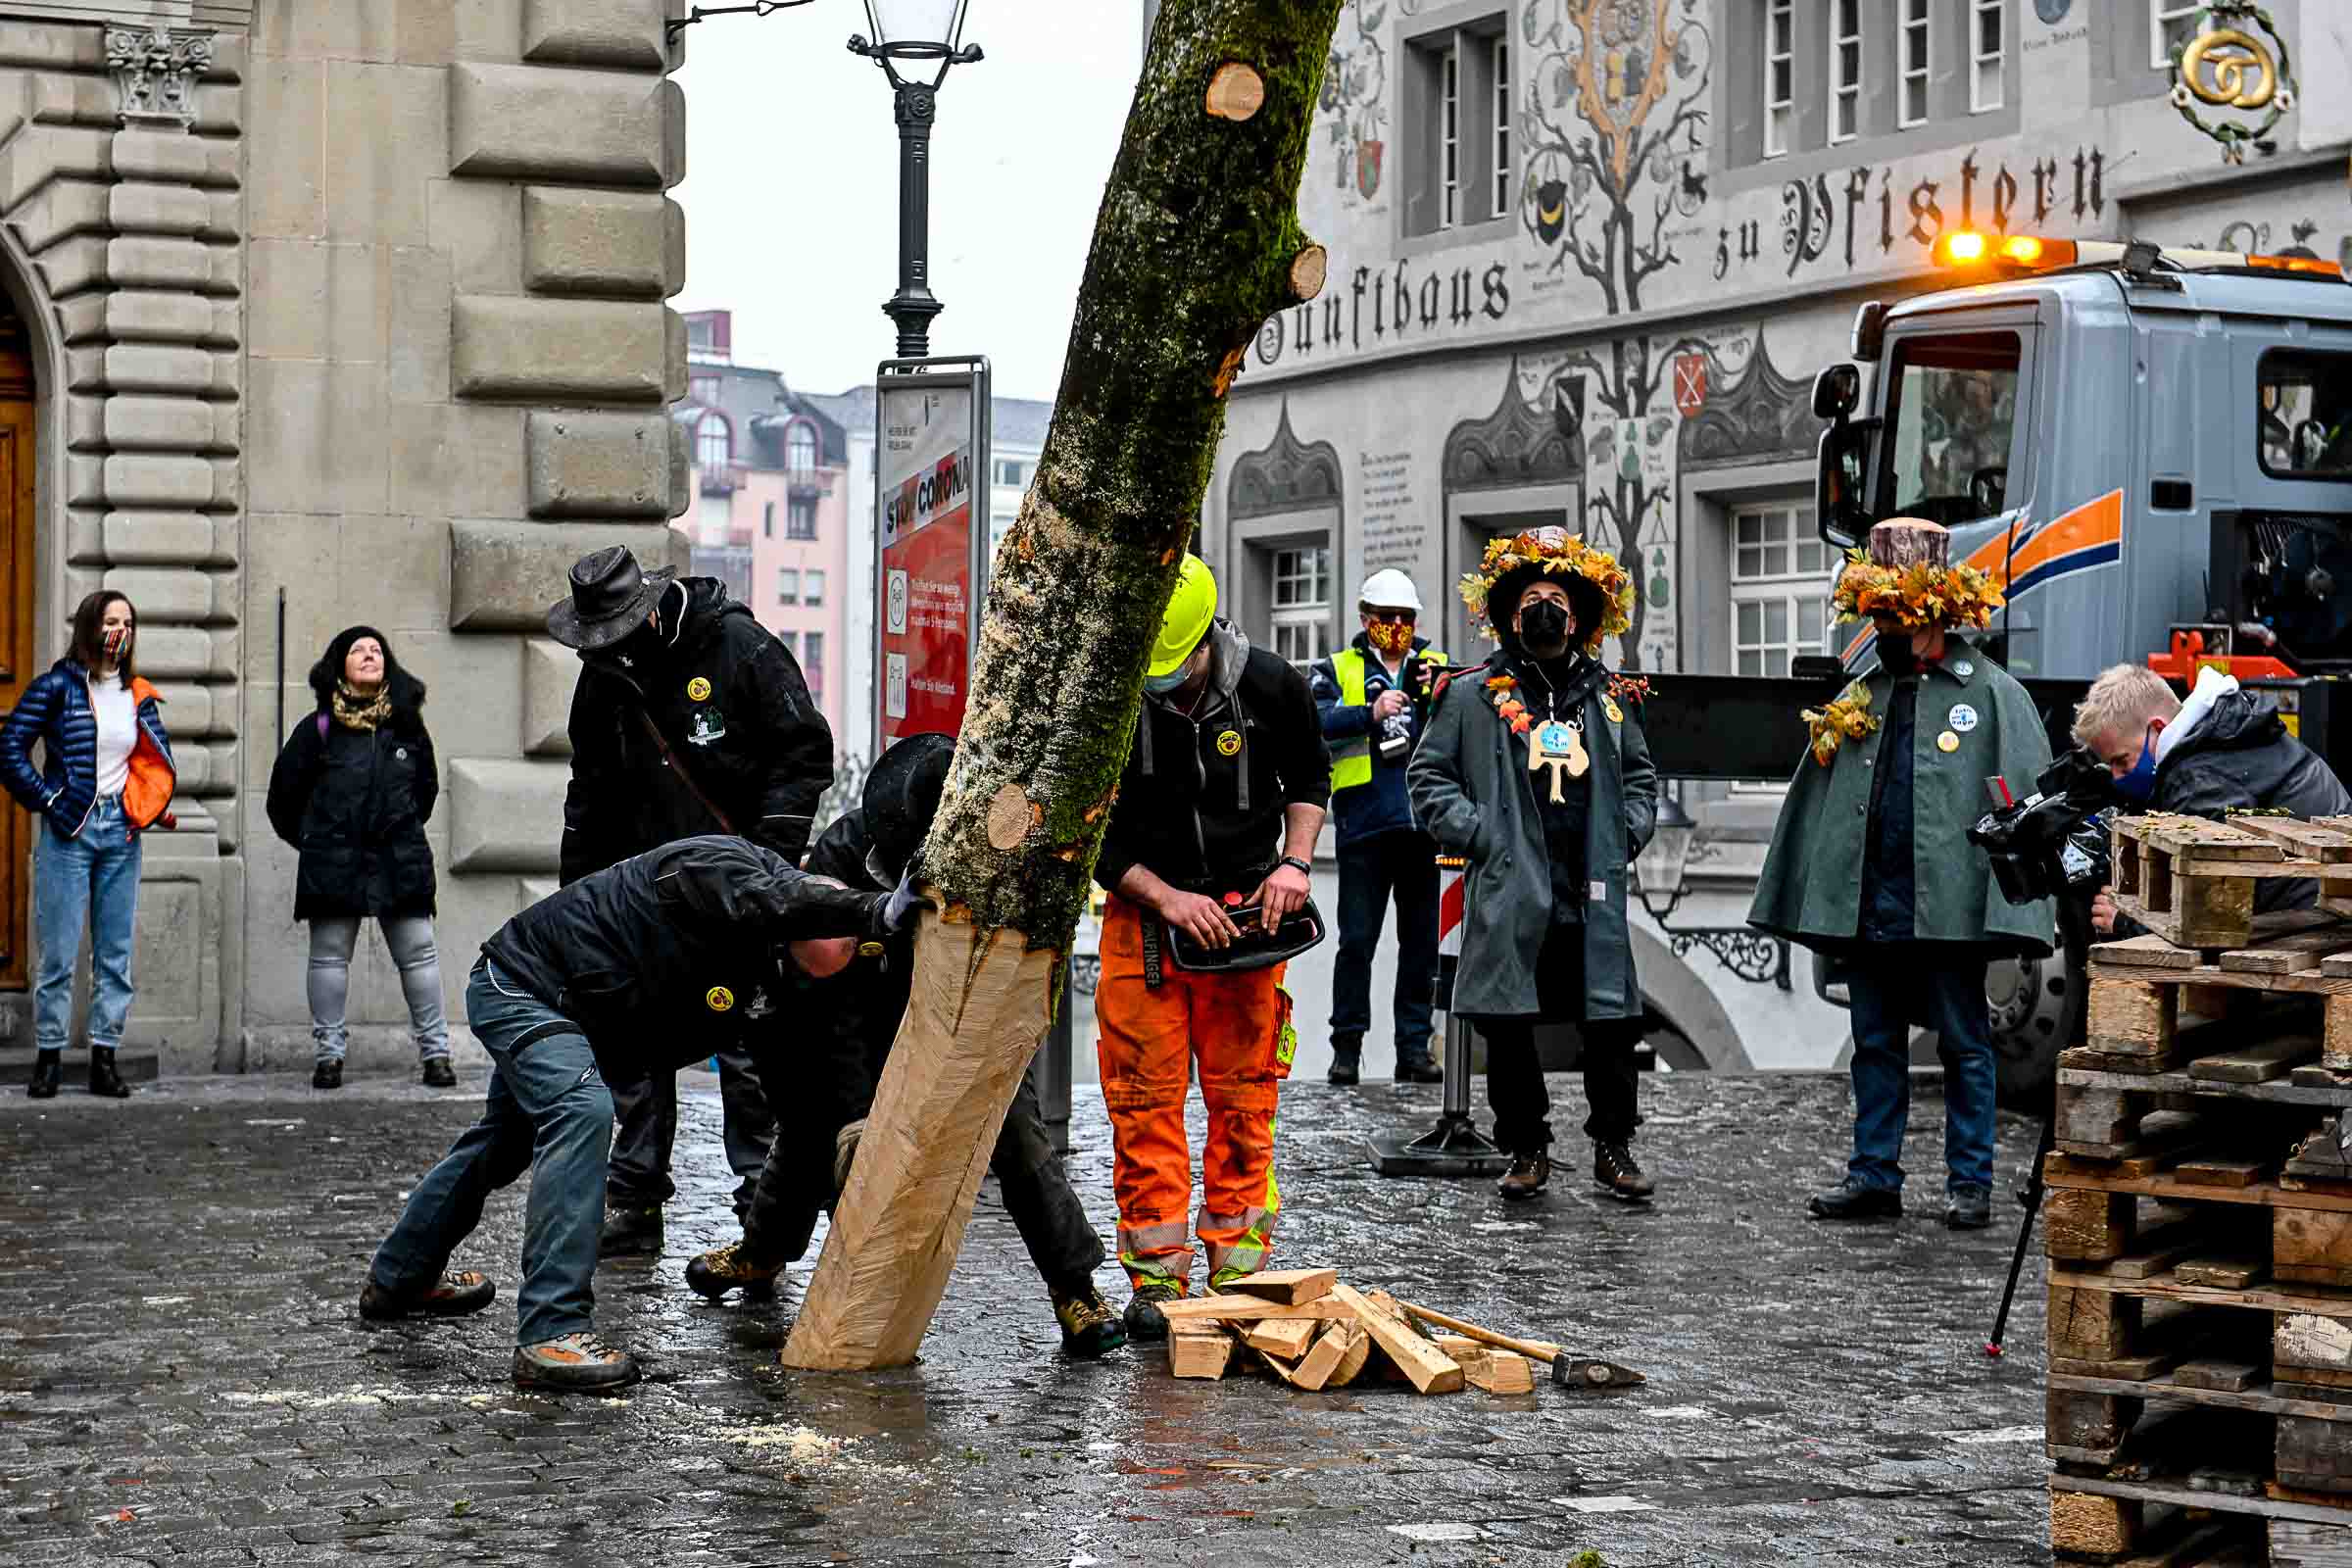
column 183, row 1377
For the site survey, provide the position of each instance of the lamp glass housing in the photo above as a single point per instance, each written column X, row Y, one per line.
column 918, row 22
column 1659, row 867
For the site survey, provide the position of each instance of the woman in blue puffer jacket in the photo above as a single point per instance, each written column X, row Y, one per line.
column 107, row 776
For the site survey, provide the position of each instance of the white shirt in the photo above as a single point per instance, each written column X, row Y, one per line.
column 117, row 714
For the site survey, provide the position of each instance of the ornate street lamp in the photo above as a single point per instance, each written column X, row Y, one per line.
column 917, row 30
column 1662, row 871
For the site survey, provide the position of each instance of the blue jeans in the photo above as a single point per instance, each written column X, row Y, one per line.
column 1401, row 865
column 1893, row 988
column 91, row 880
column 548, row 1113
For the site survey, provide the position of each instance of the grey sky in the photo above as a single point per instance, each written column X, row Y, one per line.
column 790, row 193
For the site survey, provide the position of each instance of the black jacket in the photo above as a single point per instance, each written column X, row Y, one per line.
column 2241, row 756
column 653, row 956
column 1201, row 802
column 752, row 741
column 354, row 802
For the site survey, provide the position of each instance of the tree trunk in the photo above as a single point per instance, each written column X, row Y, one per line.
column 1197, row 244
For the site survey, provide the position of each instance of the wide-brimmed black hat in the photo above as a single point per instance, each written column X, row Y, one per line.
column 610, row 596
column 902, row 795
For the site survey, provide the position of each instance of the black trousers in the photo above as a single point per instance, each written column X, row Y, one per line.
column 1401, row 865
column 647, row 1111
column 797, row 1186
column 1515, row 1088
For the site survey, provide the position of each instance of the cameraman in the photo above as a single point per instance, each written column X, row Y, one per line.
column 2222, row 749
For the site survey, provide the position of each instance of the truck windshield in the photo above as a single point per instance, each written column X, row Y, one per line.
column 2304, row 417
column 1952, row 408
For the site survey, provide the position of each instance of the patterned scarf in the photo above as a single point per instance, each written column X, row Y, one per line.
column 357, row 709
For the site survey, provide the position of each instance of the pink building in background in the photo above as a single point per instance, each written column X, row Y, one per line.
column 770, row 518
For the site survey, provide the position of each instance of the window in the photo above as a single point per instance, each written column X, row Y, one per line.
column 702, row 389
column 2304, row 420
column 799, row 517
column 713, row 442
column 1780, row 75
column 1450, row 137
column 1302, row 617
column 787, row 585
column 2170, row 23
column 768, row 520
column 1987, row 54
column 1953, row 409
column 1781, row 575
column 1845, row 66
column 813, row 663
column 813, row 587
column 1502, row 124
column 1912, row 44
column 1012, row 472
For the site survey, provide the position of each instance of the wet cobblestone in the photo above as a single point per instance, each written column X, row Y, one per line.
column 185, row 1378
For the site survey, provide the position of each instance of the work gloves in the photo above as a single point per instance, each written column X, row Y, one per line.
column 900, row 907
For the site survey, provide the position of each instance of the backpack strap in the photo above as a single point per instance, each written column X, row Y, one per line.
column 322, row 726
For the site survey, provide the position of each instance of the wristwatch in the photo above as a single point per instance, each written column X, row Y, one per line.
column 1304, row 869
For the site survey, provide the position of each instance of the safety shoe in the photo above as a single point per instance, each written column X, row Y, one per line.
column 1969, row 1208
column 105, row 1082
column 714, row 1273
column 1346, row 1068
column 1419, row 1070
column 1616, row 1172
column 453, row 1295
column 631, row 1230
column 845, row 1154
column 326, row 1075
column 1089, row 1327
column 571, row 1363
column 1851, row 1200
column 439, row 1074
column 1527, row 1176
column 48, row 1071
column 1143, row 1318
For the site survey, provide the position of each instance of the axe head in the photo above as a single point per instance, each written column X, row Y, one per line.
column 1584, row 1373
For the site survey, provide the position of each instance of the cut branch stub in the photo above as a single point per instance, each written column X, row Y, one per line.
column 1010, row 816
column 1236, row 92
column 1308, row 272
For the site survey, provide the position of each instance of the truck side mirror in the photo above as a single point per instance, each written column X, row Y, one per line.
column 1836, row 392
column 1840, row 482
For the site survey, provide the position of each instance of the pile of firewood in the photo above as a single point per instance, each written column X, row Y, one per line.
column 1312, row 1332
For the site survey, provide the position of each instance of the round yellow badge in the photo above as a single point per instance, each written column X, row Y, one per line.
column 1608, row 706
column 869, row 949
column 699, row 689
column 1947, row 741
column 1229, row 744
column 719, row 998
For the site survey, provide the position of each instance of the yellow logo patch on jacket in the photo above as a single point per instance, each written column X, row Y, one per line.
column 719, row 998
column 1229, row 744
column 698, row 689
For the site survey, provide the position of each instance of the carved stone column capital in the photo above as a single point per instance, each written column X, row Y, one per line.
column 155, row 73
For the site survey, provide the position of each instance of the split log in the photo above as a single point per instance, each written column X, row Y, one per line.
column 1428, row 1369
column 1286, row 1336
column 1286, row 1284
column 2311, row 1247
column 1198, row 1350
column 1486, row 1368
column 1197, row 244
column 2088, row 1524
column 1247, row 1309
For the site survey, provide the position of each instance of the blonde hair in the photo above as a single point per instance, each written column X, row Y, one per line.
column 2122, row 700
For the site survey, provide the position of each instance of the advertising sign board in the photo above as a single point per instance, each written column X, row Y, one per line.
column 931, row 509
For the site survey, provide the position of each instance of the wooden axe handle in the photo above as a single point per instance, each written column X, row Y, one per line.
column 1536, row 1350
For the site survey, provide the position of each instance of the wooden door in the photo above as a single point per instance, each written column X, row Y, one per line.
column 18, row 457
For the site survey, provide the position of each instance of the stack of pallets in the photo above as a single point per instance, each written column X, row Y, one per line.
column 2199, row 1218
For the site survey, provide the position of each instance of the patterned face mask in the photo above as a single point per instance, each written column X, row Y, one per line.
column 1389, row 636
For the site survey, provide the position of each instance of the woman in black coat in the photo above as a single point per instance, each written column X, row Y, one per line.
column 353, row 789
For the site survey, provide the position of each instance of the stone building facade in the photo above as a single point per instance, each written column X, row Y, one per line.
column 1585, row 256
column 331, row 311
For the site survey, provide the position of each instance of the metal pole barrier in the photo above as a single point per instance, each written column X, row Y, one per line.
column 1454, row 1146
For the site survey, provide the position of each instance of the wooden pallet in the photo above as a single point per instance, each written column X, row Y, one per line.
column 2295, row 971
column 2191, row 880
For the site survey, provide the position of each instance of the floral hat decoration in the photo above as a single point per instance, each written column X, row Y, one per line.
column 1554, row 552
column 1906, row 574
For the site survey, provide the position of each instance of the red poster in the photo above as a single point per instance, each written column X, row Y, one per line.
column 926, row 599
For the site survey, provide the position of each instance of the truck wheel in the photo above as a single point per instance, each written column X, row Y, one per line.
column 2036, row 1006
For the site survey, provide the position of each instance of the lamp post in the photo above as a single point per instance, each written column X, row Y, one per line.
column 1662, row 871
column 922, row 30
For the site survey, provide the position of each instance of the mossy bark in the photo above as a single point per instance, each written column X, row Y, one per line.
column 1197, row 244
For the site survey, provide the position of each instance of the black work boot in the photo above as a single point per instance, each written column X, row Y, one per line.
column 1969, row 1208
column 1527, row 1176
column 48, row 1071
column 326, row 1075
column 1851, row 1200
column 631, row 1230
column 1144, row 1318
column 105, row 1082
column 1089, row 1327
column 1415, row 1067
column 1616, row 1172
column 1346, row 1063
column 714, row 1273
column 438, row 1073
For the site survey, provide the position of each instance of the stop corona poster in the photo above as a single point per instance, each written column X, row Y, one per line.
column 927, row 475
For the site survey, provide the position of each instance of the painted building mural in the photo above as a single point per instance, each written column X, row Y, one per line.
column 1587, row 257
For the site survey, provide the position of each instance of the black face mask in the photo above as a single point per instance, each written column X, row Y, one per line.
column 1894, row 653
column 1544, row 622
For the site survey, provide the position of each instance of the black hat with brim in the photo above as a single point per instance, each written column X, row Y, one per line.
column 902, row 795
column 610, row 596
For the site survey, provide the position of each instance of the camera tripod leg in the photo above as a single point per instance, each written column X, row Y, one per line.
column 2031, row 1198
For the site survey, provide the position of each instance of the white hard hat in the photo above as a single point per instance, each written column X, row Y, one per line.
column 1390, row 589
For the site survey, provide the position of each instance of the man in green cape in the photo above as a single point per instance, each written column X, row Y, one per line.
column 1871, row 864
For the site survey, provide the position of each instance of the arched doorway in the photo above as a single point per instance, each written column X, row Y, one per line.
column 18, row 466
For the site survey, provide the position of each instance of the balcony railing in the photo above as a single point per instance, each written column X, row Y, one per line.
column 723, row 479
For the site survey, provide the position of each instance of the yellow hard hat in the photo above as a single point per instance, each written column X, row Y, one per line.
column 1190, row 611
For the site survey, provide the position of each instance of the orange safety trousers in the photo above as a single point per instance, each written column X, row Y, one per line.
column 1238, row 1027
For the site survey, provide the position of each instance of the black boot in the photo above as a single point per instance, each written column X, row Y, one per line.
column 631, row 1230
column 1346, row 1063
column 48, row 1071
column 105, row 1082
column 1616, row 1172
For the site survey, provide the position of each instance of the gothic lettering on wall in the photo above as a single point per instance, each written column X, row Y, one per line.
column 1390, row 306
column 1612, row 118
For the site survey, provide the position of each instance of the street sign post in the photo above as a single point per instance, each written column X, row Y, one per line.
column 931, row 485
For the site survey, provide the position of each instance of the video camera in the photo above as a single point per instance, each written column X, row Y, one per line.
column 2052, row 844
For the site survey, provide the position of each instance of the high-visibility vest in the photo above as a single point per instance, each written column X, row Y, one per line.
column 1351, row 759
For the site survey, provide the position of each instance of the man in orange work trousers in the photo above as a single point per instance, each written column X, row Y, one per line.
column 1205, row 860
